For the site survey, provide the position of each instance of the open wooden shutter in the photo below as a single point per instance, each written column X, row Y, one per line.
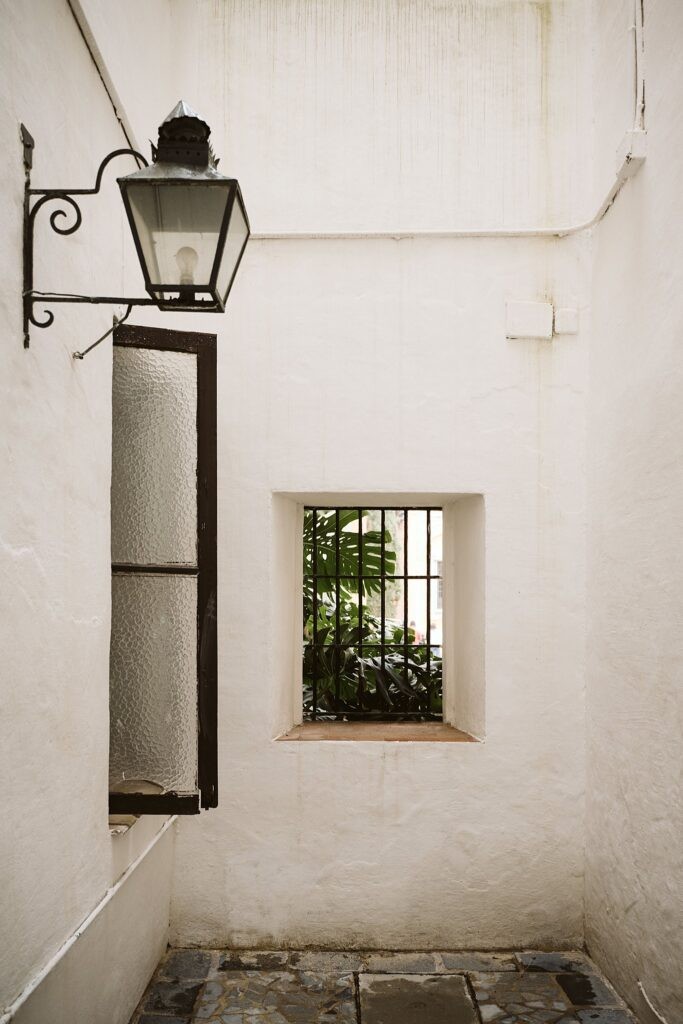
column 163, row 662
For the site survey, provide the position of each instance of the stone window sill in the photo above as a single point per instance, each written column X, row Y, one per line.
column 119, row 824
column 378, row 732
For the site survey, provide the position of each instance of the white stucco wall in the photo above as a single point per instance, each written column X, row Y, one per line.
column 99, row 979
column 634, row 879
column 385, row 115
column 382, row 366
column 57, row 857
column 408, row 844
column 148, row 53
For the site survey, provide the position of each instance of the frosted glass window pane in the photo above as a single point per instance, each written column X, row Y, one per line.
column 154, row 457
column 153, row 681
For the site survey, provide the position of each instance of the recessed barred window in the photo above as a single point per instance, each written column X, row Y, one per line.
column 372, row 645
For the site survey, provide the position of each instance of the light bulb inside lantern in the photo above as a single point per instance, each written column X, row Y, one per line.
column 187, row 260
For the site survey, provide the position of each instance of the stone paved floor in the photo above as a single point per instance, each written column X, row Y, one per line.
column 194, row 986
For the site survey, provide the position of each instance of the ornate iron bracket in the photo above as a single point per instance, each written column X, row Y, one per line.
column 60, row 223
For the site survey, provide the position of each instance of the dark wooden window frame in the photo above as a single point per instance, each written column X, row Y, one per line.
column 204, row 347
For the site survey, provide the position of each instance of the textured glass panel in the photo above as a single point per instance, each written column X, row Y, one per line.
column 154, row 457
column 153, row 681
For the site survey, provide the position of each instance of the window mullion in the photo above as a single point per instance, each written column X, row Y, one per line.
column 131, row 568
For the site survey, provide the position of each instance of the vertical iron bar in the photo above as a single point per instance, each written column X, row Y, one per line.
column 337, row 625
column 383, row 590
column 315, row 614
column 405, row 595
column 28, row 236
column 429, row 610
column 360, row 597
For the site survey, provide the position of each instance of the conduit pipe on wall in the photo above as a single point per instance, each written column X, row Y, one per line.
column 638, row 30
column 14, row 1007
column 624, row 173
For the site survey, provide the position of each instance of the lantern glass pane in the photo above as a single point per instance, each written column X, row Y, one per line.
column 153, row 681
column 234, row 243
column 178, row 228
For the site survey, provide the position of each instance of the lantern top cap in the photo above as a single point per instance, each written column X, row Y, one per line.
column 184, row 139
column 183, row 109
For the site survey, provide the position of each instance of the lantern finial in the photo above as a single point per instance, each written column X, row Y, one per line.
column 184, row 139
column 182, row 109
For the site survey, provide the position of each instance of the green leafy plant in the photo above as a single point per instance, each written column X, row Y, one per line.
column 342, row 647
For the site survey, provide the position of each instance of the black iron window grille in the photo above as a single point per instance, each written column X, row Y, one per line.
column 372, row 645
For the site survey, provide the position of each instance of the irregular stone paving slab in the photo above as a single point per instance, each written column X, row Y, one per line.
column 187, row 963
column 415, row 999
column 531, row 987
column 556, row 963
column 177, row 997
column 610, row 1015
column 155, row 1018
column 587, row 990
column 477, row 962
column 277, row 997
column 335, row 963
column 256, row 960
column 521, row 997
column 401, row 963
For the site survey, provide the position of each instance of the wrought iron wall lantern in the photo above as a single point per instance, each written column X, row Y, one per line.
column 189, row 223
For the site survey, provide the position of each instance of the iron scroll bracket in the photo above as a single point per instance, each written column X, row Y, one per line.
column 65, row 219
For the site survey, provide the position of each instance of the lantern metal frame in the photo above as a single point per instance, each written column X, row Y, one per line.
column 35, row 199
column 217, row 301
